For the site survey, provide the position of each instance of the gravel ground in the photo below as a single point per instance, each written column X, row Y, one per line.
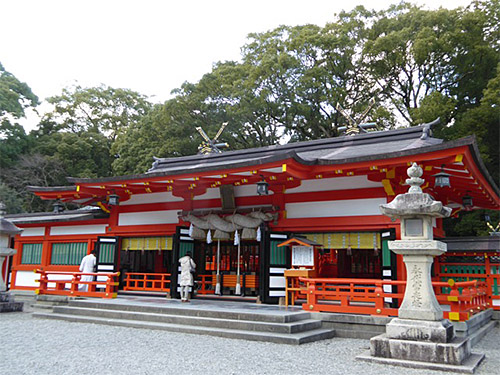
column 38, row 346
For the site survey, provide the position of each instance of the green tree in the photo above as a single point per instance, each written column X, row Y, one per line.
column 99, row 109
column 34, row 170
column 483, row 121
column 86, row 154
column 15, row 96
column 11, row 198
column 13, row 142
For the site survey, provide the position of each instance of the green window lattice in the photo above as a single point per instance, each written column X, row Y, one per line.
column 107, row 253
column 31, row 253
column 278, row 254
column 70, row 253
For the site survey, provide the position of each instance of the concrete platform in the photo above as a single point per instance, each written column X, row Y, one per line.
column 241, row 320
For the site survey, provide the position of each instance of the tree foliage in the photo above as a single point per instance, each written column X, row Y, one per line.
column 97, row 109
column 15, row 96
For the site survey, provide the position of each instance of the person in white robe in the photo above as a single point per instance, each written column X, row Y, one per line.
column 86, row 266
column 188, row 266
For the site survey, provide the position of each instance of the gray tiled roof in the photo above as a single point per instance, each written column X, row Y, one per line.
column 322, row 151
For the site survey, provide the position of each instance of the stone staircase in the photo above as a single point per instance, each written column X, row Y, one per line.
column 248, row 321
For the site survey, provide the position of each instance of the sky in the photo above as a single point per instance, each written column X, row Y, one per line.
column 149, row 46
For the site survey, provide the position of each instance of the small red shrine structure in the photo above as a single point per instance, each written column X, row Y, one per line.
column 327, row 191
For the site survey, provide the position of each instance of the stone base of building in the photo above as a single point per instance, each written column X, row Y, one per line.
column 7, row 303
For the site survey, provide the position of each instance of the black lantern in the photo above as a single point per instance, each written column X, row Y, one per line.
column 58, row 207
column 467, row 202
column 262, row 187
column 442, row 179
column 113, row 199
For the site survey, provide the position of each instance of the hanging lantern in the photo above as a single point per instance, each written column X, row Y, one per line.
column 113, row 199
column 258, row 236
column 442, row 179
column 209, row 236
column 467, row 202
column 262, row 187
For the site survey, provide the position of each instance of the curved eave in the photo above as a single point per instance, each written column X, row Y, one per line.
column 287, row 168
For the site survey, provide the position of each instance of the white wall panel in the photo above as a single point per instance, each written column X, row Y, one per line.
column 348, row 207
column 27, row 278
column 212, row 193
column 151, row 198
column 277, row 293
column 247, row 191
column 336, row 183
column 148, row 217
column 38, row 231
column 277, row 282
column 78, row 229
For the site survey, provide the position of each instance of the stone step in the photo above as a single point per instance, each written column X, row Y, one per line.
column 281, row 338
column 481, row 332
column 167, row 317
column 259, row 314
column 41, row 306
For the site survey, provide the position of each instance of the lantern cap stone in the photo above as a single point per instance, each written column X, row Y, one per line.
column 415, row 202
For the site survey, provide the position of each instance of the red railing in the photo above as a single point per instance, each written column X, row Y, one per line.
column 157, row 282
column 205, row 284
column 472, row 266
column 371, row 296
column 70, row 284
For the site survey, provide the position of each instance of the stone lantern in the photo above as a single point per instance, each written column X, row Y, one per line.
column 7, row 231
column 420, row 337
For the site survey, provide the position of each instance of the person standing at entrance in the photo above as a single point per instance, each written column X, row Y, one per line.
column 87, row 266
column 188, row 266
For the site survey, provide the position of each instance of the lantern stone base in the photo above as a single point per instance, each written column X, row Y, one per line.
column 420, row 330
column 423, row 344
column 7, row 303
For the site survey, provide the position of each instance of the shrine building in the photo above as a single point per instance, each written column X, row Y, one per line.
column 326, row 191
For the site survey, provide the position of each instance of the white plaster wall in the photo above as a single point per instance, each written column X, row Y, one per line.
column 212, row 193
column 151, row 198
column 245, row 190
column 277, row 293
column 38, row 231
column 27, row 278
column 348, row 207
column 277, row 282
column 78, row 229
column 149, row 217
column 336, row 183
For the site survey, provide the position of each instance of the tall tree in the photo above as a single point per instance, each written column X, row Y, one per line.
column 100, row 109
column 15, row 96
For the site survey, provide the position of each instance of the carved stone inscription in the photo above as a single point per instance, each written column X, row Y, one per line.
column 414, row 334
column 416, row 280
